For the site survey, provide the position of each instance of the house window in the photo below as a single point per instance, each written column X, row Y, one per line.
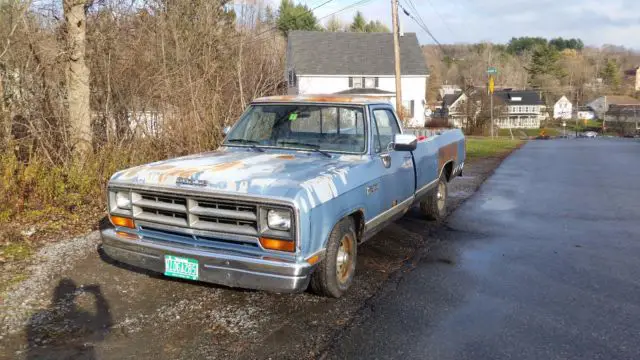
column 292, row 81
column 408, row 106
column 363, row 82
column 370, row 83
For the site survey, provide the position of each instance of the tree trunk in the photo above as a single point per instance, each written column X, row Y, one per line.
column 77, row 78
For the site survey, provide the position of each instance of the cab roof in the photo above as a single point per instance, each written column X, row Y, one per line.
column 321, row 98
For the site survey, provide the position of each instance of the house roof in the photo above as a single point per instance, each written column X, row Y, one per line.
column 628, row 110
column 563, row 97
column 351, row 53
column 519, row 97
column 621, row 100
column 633, row 71
column 450, row 99
column 364, row 91
column 320, row 98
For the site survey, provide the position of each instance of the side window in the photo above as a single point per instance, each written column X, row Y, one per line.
column 386, row 127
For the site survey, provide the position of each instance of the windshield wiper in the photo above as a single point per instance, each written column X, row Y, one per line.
column 313, row 147
column 251, row 143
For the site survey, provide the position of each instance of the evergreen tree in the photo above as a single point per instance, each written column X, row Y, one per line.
column 611, row 74
column 359, row 23
column 295, row 17
column 376, row 26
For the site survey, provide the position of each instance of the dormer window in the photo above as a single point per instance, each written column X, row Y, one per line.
column 363, row 82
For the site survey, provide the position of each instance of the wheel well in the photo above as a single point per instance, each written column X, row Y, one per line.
column 358, row 219
column 448, row 170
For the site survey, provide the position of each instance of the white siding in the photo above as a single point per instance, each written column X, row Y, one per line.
column 562, row 109
column 322, row 84
column 413, row 88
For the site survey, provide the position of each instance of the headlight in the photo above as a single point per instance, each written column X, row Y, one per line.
column 279, row 220
column 123, row 200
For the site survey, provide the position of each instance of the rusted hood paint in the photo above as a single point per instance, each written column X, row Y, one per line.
column 307, row 177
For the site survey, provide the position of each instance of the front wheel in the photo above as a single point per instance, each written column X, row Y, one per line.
column 334, row 275
column 434, row 207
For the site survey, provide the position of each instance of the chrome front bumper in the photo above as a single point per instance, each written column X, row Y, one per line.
column 215, row 267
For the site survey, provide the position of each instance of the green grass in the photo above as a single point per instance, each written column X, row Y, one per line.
column 486, row 147
column 529, row 132
column 15, row 251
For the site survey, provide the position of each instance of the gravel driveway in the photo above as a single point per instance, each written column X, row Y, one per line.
column 76, row 303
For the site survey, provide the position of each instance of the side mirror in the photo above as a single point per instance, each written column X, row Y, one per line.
column 405, row 142
column 226, row 130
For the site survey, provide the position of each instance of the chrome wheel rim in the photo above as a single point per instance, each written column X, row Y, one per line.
column 344, row 259
column 442, row 195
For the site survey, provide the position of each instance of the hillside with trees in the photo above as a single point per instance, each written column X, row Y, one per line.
column 556, row 67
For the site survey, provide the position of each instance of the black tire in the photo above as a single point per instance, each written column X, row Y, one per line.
column 326, row 280
column 431, row 207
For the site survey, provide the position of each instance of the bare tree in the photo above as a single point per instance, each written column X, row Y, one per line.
column 77, row 77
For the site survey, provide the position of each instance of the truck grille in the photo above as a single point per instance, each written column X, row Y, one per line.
column 226, row 216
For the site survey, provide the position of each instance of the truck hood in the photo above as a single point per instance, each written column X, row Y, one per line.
column 233, row 170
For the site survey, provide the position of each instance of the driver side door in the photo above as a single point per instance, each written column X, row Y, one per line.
column 396, row 168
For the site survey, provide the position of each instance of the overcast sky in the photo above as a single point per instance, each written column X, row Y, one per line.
column 596, row 22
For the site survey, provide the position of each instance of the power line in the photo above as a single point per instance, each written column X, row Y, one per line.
column 441, row 18
column 274, row 28
column 423, row 26
column 361, row 2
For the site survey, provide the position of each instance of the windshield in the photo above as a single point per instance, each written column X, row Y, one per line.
column 301, row 126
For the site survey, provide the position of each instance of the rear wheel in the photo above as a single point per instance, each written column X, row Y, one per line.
column 335, row 273
column 434, row 207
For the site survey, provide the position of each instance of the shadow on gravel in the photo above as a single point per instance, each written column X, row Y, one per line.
column 81, row 329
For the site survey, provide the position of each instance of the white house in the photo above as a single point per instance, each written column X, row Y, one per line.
column 562, row 109
column 453, row 107
column 524, row 109
column 357, row 64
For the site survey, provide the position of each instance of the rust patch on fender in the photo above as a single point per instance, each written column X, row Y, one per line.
column 189, row 171
column 447, row 153
column 286, row 157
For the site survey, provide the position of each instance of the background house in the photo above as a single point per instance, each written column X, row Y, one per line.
column 585, row 113
column 562, row 109
column 357, row 64
column 634, row 76
column 453, row 108
column 601, row 105
column 525, row 109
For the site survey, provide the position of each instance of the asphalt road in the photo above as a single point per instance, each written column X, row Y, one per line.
column 542, row 263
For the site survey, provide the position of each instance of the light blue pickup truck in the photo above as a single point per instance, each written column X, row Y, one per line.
column 298, row 183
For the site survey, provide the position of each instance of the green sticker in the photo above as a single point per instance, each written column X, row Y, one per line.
column 293, row 116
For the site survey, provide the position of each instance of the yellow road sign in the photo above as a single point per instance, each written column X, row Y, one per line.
column 491, row 85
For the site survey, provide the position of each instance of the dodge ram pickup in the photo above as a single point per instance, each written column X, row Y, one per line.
column 297, row 185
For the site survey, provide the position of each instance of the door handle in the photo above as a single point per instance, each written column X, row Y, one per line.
column 386, row 160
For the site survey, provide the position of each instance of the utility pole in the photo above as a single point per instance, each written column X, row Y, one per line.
column 396, row 52
column 491, row 111
column 604, row 116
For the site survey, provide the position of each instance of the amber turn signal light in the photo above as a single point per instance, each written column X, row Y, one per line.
column 127, row 235
column 314, row 259
column 123, row 221
column 275, row 244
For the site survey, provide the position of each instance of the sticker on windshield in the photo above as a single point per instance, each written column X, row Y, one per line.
column 293, row 116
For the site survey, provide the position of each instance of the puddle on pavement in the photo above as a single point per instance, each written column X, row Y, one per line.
column 498, row 203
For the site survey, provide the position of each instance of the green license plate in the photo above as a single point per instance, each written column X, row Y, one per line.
column 180, row 267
